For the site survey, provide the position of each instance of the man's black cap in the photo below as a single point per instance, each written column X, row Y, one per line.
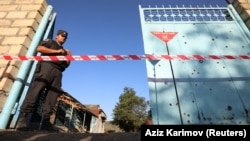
column 62, row 32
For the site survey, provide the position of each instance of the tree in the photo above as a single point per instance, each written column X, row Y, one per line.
column 131, row 111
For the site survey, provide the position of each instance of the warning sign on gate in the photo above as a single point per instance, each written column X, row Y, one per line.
column 165, row 36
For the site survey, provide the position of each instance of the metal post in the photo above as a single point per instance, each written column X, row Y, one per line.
column 156, row 97
column 176, row 92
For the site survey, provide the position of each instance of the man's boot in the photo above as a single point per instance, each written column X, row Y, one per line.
column 22, row 124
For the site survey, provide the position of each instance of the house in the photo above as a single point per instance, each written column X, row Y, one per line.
column 72, row 116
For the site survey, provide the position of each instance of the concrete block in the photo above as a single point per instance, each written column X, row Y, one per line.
column 6, row 84
column 25, row 23
column 26, row 31
column 8, row 7
column 35, row 15
column 17, row 41
column 245, row 15
column 17, row 15
column 8, row 31
column 5, row 22
column 3, row 14
column 242, row 7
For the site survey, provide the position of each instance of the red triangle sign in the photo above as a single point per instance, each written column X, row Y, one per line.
column 165, row 36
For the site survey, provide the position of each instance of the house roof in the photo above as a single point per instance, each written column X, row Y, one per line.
column 92, row 108
column 97, row 110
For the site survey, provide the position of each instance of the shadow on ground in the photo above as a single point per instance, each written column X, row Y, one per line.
column 58, row 136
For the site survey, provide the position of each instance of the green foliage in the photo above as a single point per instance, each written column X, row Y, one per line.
column 131, row 111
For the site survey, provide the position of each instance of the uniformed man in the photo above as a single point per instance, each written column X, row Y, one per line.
column 48, row 76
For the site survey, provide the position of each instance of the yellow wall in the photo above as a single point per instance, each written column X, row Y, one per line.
column 19, row 20
column 243, row 9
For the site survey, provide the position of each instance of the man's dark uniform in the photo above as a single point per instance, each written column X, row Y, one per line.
column 48, row 75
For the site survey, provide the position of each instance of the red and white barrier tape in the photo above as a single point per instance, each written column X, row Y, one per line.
column 120, row 57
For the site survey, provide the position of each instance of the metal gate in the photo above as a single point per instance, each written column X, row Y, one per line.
column 207, row 81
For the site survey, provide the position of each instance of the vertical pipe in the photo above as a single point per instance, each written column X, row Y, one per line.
column 22, row 73
column 156, row 98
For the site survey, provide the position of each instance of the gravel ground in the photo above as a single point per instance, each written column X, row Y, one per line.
column 58, row 136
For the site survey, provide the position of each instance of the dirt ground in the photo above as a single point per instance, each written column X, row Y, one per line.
column 58, row 136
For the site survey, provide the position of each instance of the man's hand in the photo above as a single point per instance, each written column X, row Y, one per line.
column 68, row 52
column 64, row 52
column 61, row 51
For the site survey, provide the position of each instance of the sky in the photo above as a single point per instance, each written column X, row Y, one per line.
column 107, row 27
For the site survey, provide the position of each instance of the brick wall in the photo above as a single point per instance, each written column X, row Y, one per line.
column 19, row 20
column 243, row 9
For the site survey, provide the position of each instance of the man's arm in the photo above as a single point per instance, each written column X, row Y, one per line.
column 45, row 50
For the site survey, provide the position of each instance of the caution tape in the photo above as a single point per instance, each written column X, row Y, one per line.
column 119, row 57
